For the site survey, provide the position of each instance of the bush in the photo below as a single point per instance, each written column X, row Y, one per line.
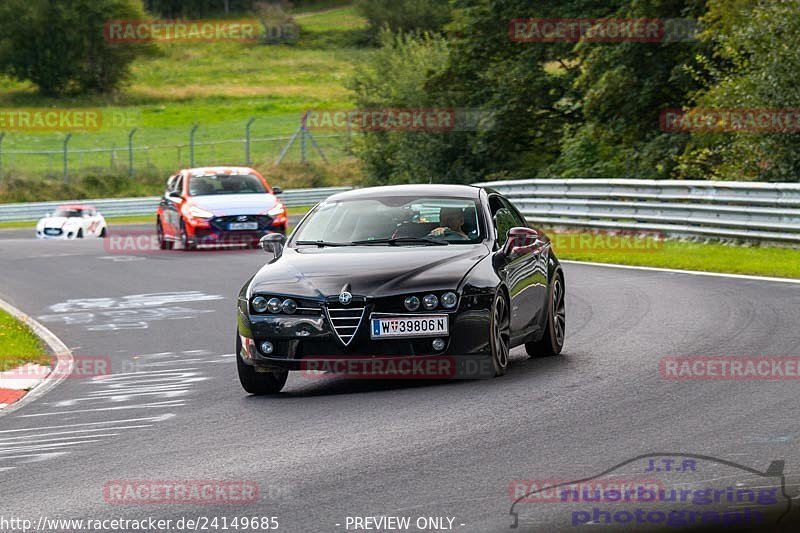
column 60, row 46
column 405, row 15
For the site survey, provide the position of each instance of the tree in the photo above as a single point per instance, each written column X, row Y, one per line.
column 60, row 45
column 404, row 15
column 753, row 64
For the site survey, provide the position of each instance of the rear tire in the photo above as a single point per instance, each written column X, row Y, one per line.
column 258, row 383
column 552, row 341
column 80, row 234
column 103, row 233
column 163, row 243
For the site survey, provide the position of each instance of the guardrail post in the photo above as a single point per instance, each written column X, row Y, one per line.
column 247, row 141
column 130, row 152
column 66, row 162
column 2, row 135
column 191, row 145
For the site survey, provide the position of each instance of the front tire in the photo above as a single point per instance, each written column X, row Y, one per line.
column 258, row 383
column 80, row 234
column 500, row 334
column 187, row 244
column 552, row 341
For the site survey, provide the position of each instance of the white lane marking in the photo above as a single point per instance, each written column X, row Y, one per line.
column 38, row 447
column 688, row 272
column 158, row 418
column 12, row 440
column 34, row 457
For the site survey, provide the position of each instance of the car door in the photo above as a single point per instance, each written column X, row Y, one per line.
column 522, row 272
column 92, row 223
column 171, row 206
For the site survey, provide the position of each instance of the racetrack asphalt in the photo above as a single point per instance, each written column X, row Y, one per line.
column 333, row 447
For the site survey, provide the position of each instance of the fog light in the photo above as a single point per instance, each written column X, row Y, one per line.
column 267, row 347
column 274, row 305
column 449, row 300
column 259, row 304
column 430, row 301
column 411, row 303
column 438, row 344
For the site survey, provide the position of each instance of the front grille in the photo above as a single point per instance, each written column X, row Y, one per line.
column 221, row 223
column 53, row 231
column 346, row 320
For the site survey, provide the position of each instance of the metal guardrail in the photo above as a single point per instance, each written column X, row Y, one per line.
column 713, row 209
column 147, row 206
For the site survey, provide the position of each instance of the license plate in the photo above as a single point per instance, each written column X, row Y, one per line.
column 233, row 226
column 409, row 326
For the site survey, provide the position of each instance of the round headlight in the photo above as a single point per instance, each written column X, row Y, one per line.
column 289, row 306
column 259, row 304
column 411, row 303
column 274, row 305
column 449, row 300
column 430, row 301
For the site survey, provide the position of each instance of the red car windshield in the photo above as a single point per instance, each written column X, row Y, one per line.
column 226, row 184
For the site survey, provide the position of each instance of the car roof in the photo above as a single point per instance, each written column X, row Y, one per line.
column 206, row 171
column 76, row 206
column 455, row 191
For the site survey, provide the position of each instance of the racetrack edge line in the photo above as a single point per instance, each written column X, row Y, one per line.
column 688, row 272
column 56, row 345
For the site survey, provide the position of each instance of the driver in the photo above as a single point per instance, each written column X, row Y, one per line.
column 452, row 223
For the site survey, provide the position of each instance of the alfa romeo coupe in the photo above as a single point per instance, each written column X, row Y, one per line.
column 401, row 273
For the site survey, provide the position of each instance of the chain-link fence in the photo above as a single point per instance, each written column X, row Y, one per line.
column 202, row 146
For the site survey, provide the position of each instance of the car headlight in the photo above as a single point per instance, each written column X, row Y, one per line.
column 259, row 304
column 274, row 305
column 449, row 300
column 411, row 303
column 277, row 210
column 430, row 301
column 289, row 306
column 197, row 212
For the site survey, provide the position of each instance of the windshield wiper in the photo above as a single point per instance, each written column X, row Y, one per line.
column 323, row 244
column 394, row 241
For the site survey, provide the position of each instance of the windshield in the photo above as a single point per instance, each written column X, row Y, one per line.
column 225, row 184
column 396, row 219
column 68, row 213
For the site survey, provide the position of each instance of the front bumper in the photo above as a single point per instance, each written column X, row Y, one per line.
column 307, row 339
column 215, row 231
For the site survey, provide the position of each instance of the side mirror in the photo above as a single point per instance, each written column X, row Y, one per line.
column 520, row 241
column 174, row 194
column 273, row 243
column 277, row 190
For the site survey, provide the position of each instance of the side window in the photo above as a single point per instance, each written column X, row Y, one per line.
column 504, row 217
column 179, row 185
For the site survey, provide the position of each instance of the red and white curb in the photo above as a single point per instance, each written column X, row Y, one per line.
column 21, row 386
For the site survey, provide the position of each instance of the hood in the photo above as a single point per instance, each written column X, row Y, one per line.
column 57, row 222
column 376, row 271
column 235, row 204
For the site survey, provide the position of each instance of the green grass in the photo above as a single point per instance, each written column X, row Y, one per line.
column 772, row 261
column 18, row 345
column 218, row 86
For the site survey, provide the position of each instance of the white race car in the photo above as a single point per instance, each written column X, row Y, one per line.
column 72, row 222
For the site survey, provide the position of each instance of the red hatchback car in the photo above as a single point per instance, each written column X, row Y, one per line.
column 218, row 206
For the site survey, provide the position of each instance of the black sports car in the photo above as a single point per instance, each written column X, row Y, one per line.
column 400, row 273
